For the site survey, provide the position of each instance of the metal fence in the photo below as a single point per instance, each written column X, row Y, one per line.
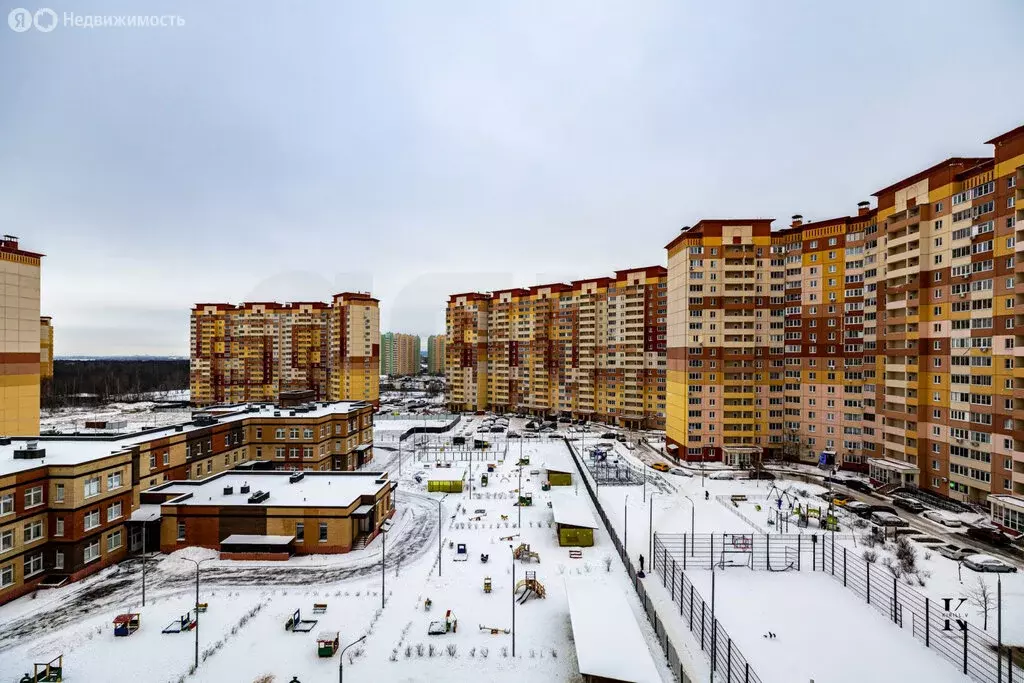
column 675, row 663
column 935, row 623
column 727, row 662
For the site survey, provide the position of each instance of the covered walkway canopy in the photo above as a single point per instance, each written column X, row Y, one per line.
column 254, row 543
column 609, row 644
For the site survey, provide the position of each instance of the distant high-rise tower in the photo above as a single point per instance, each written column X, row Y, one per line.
column 254, row 351
column 19, row 339
column 399, row 354
column 435, row 354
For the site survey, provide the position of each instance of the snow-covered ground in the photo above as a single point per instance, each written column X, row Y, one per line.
column 242, row 635
column 796, row 602
column 136, row 416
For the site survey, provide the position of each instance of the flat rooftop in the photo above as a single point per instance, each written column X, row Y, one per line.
column 78, row 449
column 315, row 489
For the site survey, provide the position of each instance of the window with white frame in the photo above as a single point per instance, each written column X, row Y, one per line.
column 34, row 496
column 114, row 511
column 58, row 527
column 114, row 540
column 33, row 531
column 6, row 540
column 92, row 552
column 113, row 481
column 92, row 519
column 6, row 504
column 91, row 487
column 33, row 564
column 6, row 575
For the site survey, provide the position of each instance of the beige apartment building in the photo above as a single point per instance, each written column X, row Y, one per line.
column 590, row 349
column 19, row 338
column 889, row 341
column 256, row 350
column 435, row 354
column 45, row 348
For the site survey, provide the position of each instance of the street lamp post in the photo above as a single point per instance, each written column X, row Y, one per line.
column 385, row 527
column 513, row 599
column 196, row 629
column 519, row 503
column 439, row 534
column 650, row 531
column 341, row 661
column 143, row 564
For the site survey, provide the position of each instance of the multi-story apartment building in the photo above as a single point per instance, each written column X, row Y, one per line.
column 435, row 354
column 399, row 354
column 887, row 340
column 590, row 349
column 66, row 503
column 256, row 350
column 45, row 348
column 19, row 338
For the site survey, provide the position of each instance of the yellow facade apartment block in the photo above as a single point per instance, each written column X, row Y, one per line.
column 19, row 339
column 45, row 347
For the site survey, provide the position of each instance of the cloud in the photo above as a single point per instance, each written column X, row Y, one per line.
column 419, row 149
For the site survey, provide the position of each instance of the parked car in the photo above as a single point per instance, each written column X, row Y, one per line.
column 942, row 517
column 763, row 475
column 565, row 420
column 987, row 563
column 608, row 435
column 858, row 485
column 531, row 435
column 858, row 508
column 887, row 519
column 988, row 534
column 955, row 552
column 458, row 440
column 679, row 472
column 497, row 429
column 839, row 499
column 723, row 474
column 660, row 466
column 513, row 435
column 871, row 509
column 907, row 503
column 621, row 437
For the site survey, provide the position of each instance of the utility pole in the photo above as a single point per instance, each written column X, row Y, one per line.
column 650, row 533
column 513, row 599
column 196, row 629
column 143, row 564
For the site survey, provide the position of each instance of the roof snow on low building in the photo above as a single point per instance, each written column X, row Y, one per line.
column 570, row 510
column 609, row 644
column 256, row 539
column 558, row 460
column 453, row 473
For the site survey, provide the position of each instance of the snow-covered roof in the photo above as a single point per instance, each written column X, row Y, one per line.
column 1006, row 500
column 256, row 539
column 608, row 640
column 145, row 513
column 572, row 511
column 558, row 460
column 454, row 473
column 895, row 465
column 72, row 450
column 315, row 489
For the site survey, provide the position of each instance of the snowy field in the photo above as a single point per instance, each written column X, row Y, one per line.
column 242, row 635
column 137, row 416
column 797, row 602
column 823, row 632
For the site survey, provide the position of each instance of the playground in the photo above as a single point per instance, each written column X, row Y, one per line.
column 295, row 618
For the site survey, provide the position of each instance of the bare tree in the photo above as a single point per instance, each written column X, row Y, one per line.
column 982, row 597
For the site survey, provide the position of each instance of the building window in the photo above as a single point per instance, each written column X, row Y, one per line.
column 293, row 433
column 6, row 540
column 58, row 493
column 152, row 461
column 323, row 532
column 92, row 519
column 167, row 458
column 307, row 452
column 114, row 511
column 300, row 531
column 58, row 529
column 259, row 453
column 279, row 433
column 34, row 497
column 33, row 564
column 113, row 481
column 307, row 433
column 92, row 552
column 279, row 452
column 91, row 487
column 114, row 540
column 7, row 504
column 58, row 560
column 181, row 531
column 209, row 466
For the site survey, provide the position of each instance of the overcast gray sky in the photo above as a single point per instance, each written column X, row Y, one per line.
column 286, row 151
